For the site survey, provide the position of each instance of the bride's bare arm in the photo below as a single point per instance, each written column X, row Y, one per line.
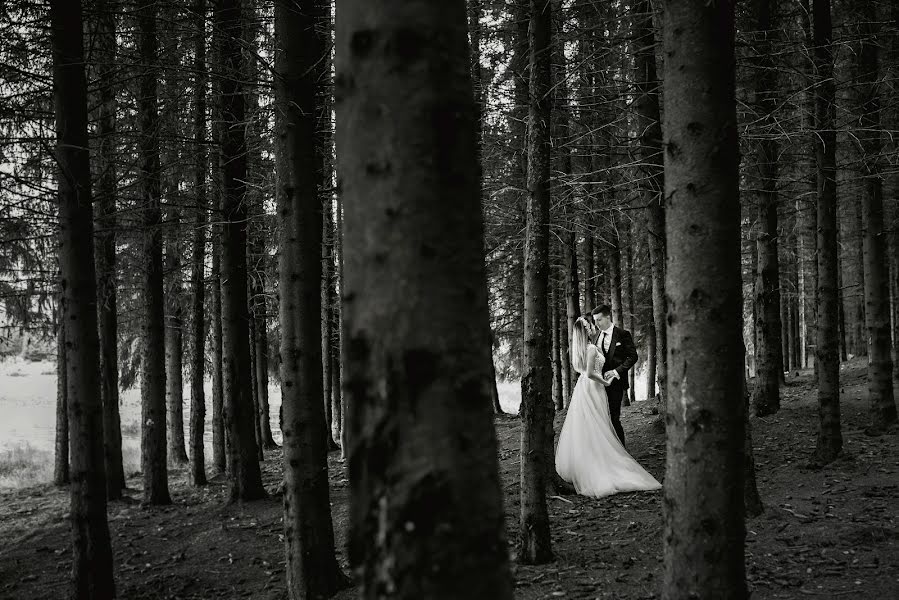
column 591, row 366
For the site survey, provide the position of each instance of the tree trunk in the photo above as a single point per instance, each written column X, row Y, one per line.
column 337, row 401
column 261, row 355
column 564, row 357
column 312, row 569
column 153, row 381
column 652, row 180
column 327, row 304
column 703, row 505
column 841, row 304
column 105, row 248
column 629, row 322
column 174, row 351
column 769, row 353
column 219, row 453
column 536, row 403
column 341, row 329
column 92, row 572
column 61, row 454
column 854, row 276
column 751, row 499
column 240, row 419
column 830, row 439
column 557, row 389
column 254, row 380
column 572, row 285
column 589, row 273
column 876, row 272
column 198, row 280
column 423, row 471
column 651, row 347
column 807, row 211
column 257, row 233
column 615, row 285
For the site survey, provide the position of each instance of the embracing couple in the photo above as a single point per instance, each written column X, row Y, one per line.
column 591, row 454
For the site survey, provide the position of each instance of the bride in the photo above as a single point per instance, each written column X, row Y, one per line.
column 589, row 455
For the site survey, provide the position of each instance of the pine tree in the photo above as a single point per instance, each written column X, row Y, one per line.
column 703, row 504
column 424, row 483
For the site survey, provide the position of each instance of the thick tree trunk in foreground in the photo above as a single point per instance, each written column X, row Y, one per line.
column 830, row 439
column 703, row 504
column 312, row 569
column 92, row 574
column 423, row 470
column 240, row 418
column 153, row 407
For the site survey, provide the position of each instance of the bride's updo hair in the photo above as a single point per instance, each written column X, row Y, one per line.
column 580, row 338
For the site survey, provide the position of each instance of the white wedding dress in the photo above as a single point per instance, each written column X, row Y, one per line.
column 589, row 455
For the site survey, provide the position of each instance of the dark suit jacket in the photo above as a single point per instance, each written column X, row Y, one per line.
column 622, row 355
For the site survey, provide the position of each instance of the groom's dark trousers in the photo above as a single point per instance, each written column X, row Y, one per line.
column 621, row 357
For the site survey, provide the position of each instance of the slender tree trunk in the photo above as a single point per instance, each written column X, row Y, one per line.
column 629, row 322
column 564, row 357
column 769, row 353
column 557, row 390
column 704, row 480
column 876, row 272
column 254, row 382
column 651, row 347
column 589, row 273
column 615, row 284
column 240, row 418
column 92, row 572
column 424, row 480
column 105, row 249
column 327, row 304
column 174, row 353
column 751, row 498
column 153, row 381
column 830, row 439
column 341, row 325
column 337, row 404
column 61, row 454
column 198, row 280
column 652, row 180
column 841, row 304
column 855, row 286
column 536, row 403
column 807, row 209
column 572, row 285
column 219, row 453
column 256, row 235
column 262, row 360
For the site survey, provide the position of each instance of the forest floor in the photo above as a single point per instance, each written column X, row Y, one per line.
column 827, row 533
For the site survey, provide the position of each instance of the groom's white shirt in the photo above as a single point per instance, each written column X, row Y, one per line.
column 606, row 336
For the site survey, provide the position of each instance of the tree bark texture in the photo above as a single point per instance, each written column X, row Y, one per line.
column 703, row 497
column 92, row 573
column 423, row 470
column 153, row 405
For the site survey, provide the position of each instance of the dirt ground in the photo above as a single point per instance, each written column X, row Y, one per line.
column 829, row 533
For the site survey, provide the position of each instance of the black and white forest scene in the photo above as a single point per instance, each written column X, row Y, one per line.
column 449, row 299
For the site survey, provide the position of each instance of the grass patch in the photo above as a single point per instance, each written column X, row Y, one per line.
column 24, row 465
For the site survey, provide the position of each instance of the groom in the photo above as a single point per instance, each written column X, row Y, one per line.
column 617, row 346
